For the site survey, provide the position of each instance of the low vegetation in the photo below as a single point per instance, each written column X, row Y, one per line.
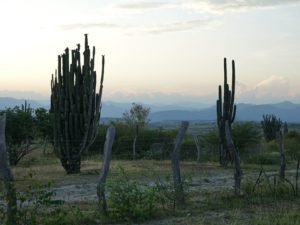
column 141, row 191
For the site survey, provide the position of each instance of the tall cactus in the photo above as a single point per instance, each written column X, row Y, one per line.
column 76, row 105
column 226, row 110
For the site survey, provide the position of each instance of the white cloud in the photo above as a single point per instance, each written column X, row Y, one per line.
column 272, row 89
column 274, row 86
column 218, row 6
column 148, row 29
column 143, row 5
column 206, row 13
column 178, row 26
column 215, row 6
column 90, row 25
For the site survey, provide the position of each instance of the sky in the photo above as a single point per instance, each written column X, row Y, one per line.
column 162, row 51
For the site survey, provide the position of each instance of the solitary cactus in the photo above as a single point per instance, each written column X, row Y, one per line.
column 76, row 106
column 226, row 110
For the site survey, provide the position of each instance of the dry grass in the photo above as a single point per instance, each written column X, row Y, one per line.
column 206, row 177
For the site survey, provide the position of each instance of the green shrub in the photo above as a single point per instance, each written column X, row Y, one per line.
column 210, row 144
column 267, row 158
column 131, row 200
column 43, row 123
column 246, row 135
column 147, row 138
column 268, row 187
column 35, row 200
column 292, row 144
column 19, row 132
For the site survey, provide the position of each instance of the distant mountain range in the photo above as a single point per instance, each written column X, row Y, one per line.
column 7, row 102
column 286, row 111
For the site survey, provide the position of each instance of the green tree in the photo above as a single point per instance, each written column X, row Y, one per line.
column 292, row 144
column 246, row 135
column 43, row 125
column 19, row 132
column 136, row 118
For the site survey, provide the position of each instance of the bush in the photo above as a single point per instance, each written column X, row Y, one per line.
column 292, row 144
column 269, row 187
column 210, row 143
column 19, row 132
column 146, row 146
column 43, row 122
column 245, row 135
column 269, row 158
column 131, row 200
column 35, row 200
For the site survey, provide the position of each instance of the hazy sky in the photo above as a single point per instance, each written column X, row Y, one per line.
column 157, row 51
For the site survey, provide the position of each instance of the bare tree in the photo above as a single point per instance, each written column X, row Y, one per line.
column 137, row 118
column 175, row 159
column 7, row 176
column 110, row 137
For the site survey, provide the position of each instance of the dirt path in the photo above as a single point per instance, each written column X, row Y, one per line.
column 85, row 189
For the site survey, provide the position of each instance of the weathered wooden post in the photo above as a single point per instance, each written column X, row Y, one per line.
column 279, row 138
column 110, row 137
column 237, row 162
column 175, row 159
column 196, row 140
column 297, row 175
column 7, row 177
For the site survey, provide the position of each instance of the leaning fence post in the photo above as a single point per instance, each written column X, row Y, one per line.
column 279, row 137
column 175, row 158
column 7, row 177
column 110, row 136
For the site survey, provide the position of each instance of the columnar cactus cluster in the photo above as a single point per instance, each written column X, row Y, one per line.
column 226, row 110
column 76, row 105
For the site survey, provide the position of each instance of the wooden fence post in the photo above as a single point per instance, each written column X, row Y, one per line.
column 7, row 177
column 237, row 162
column 110, row 137
column 279, row 138
column 175, row 159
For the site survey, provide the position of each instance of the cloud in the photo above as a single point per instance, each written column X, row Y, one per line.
column 274, row 86
column 90, row 25
column 178, row 26
column 205, row 13
column 272, row 89
column 149, row 29
column 142, row 5
column 233, row 5
column 202, row 5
